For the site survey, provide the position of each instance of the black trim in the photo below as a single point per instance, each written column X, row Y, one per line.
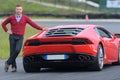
column 73, row 60
column 63, row 32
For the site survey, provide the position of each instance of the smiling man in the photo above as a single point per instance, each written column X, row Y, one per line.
column 18, row 23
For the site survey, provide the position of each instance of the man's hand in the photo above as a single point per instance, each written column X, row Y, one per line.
column 9, row 32
column 0, row 22
column 44, row 29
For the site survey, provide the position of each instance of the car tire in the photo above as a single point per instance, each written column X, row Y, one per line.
column 30, row 68
column 99, row 63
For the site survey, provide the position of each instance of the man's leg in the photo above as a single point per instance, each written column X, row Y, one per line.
column 12, row 48
column 18, row 45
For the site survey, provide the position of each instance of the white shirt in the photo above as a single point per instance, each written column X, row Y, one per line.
column 18, row 17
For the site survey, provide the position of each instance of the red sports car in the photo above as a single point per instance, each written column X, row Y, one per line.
column 89, row 46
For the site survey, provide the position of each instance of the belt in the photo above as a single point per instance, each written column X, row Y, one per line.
column 17, row 34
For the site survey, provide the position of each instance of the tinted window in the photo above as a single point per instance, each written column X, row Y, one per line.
column 103, row 33
column 64, row 32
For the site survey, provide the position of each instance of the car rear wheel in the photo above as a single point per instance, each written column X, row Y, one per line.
column 30, row 68
column 99, row 59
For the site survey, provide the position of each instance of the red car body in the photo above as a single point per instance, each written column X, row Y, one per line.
column 71, row 45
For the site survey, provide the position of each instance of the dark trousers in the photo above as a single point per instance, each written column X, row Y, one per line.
column 15, row 47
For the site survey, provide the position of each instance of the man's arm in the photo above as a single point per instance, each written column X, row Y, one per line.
column 4, row 23
column 33, row 24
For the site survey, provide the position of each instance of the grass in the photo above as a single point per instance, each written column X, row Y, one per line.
column 8, row 6
column 72, row 4
column 4, row 41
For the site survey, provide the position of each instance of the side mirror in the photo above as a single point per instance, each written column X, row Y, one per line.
column 116, row 35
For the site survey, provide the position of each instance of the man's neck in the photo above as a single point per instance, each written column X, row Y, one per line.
column 18, row 14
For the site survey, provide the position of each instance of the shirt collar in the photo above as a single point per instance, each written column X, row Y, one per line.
column 18, row 15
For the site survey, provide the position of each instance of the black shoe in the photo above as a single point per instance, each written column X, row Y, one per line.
column 6, row 67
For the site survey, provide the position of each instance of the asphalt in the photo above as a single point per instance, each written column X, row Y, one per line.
column 110, row 72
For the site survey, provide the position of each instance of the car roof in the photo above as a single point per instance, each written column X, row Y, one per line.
column 74, row 26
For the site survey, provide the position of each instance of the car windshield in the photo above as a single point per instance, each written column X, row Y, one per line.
column 63, row 32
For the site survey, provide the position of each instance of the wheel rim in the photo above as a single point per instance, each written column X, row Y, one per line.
column 100, row 57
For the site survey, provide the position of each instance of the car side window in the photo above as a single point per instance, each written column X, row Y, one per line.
column 103, row 33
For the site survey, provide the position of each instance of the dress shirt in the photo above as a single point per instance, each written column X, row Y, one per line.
column 18, row 17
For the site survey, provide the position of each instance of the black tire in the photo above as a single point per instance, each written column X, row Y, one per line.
column 30, row 68
column 99, row 59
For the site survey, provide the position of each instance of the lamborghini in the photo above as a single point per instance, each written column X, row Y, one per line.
column 90, row 46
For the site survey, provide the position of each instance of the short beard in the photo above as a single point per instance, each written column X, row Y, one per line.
column 18, row 13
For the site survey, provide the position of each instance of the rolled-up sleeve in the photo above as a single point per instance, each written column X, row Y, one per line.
column 33, row 24
column 4, row 23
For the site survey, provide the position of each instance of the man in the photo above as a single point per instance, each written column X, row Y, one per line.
column 18, row 22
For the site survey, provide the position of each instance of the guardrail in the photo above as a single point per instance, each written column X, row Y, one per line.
column 74, row 16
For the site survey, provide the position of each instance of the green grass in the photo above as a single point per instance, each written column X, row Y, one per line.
column 8, row 6
column 73, row 4
column 4, row 41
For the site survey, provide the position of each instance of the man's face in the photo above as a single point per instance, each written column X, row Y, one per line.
column 19, row 10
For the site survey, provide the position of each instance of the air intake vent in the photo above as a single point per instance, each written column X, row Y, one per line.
column 64, row 32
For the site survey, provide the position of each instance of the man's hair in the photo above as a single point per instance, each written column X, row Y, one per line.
column 18, row 5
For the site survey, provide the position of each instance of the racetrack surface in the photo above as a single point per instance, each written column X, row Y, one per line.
column 110, row 72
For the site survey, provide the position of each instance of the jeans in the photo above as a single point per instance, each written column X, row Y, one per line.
column 15, row 47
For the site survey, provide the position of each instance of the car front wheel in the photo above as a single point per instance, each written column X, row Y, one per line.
column 118, row 62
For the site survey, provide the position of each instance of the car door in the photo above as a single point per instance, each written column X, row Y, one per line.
column 109, row 43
